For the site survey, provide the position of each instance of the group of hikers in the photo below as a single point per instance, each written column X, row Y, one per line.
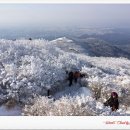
column 112, row 101
column 73, row 76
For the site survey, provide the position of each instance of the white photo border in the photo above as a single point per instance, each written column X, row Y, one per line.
column 67, row 1
column 41, row 122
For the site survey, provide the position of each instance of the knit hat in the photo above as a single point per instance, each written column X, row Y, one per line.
column 114, row 94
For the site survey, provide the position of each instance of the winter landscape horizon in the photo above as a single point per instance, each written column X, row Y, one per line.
column 40, row 44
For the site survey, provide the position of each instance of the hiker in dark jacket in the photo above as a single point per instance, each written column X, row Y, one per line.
column 113, row 101
column 76, row 76
column 70, row 78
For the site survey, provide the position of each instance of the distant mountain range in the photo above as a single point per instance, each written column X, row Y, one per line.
column 97, row 47
column 108, row 42
column 94, row 47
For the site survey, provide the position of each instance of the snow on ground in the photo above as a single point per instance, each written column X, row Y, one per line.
column 74, row 90
column 29, row 67
column 16, row 111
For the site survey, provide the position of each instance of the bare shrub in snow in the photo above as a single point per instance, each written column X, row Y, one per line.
column 69, row 106
column 96, row 88
column 65, row 106
column 10, row 103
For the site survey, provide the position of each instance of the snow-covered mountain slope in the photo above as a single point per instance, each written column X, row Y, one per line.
column 68, row 45
column 99, row 47
column 29, row 67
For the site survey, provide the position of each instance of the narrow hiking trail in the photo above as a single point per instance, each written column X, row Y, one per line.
column 74, row 90
column 65, row 90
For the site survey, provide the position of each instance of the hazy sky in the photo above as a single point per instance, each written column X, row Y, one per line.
column 64, row 14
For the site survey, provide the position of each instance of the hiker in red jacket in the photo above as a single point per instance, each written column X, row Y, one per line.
column 113, row 101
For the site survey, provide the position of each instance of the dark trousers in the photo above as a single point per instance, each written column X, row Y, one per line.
column 48, row 92
column 70, row 82
column 75, row 79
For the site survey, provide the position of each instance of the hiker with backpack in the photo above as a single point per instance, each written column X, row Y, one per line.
column 75, row 76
